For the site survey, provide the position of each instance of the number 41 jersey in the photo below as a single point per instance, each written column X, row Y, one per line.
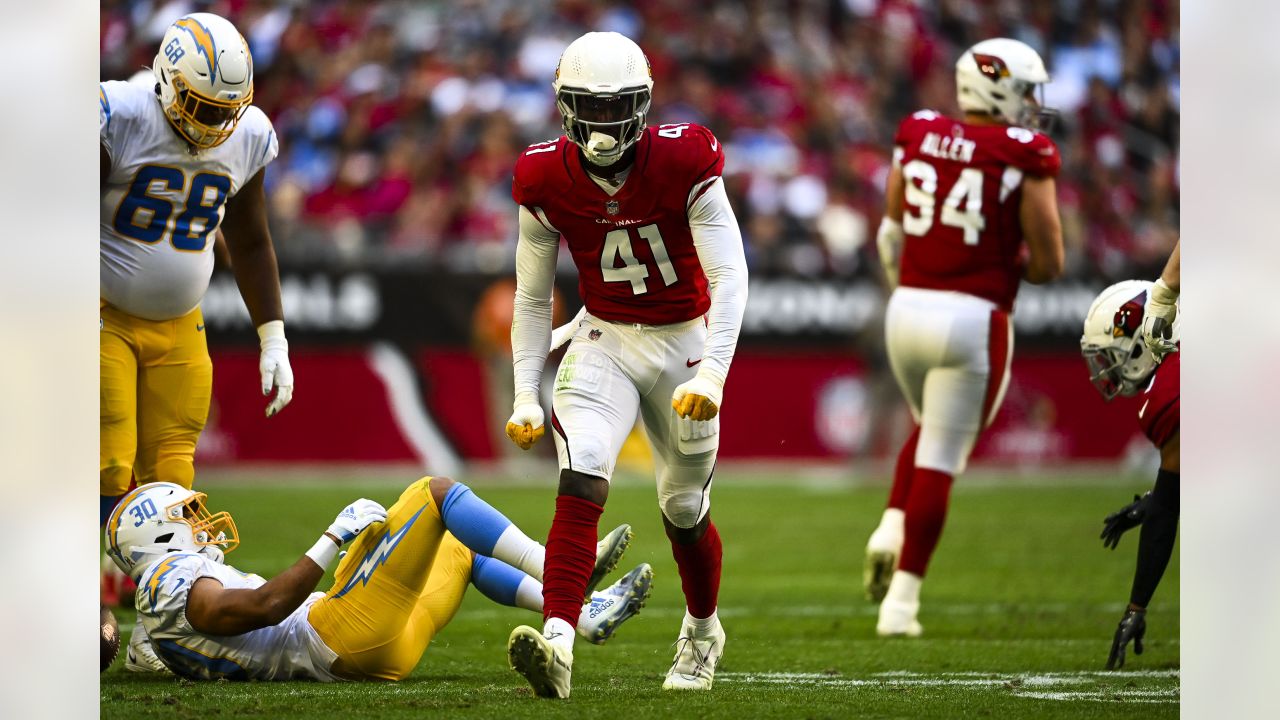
column 963, row 192
column 634, row 250
column 161, row 204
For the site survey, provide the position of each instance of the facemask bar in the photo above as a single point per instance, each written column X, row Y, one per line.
column 1104, row 370
column 189, row 107
column 626, row 131
column 217, row 529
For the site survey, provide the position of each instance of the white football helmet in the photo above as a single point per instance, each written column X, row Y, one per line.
column 1119, row 361
column 603, row 90
column 160, row 518
column 997, row 76
column 205, row 78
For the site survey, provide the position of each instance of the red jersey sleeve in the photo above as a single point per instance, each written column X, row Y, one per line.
column 1031, row 152
column 1160, row 410
column 526, row 181
column 701, row 156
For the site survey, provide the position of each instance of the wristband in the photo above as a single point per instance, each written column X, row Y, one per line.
column 323, row 552
column 271, row 329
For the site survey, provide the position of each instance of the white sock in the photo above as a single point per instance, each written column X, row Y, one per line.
column 559, row 632
column 894, row 520
column 904, row 588
column 520, row 551
column 529, row 595
column 701, row 626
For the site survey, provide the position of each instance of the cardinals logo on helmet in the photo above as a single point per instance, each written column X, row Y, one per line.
column 991, row 66
column 1128, row 319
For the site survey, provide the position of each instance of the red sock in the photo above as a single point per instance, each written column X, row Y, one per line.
column 902, row 472
column 699, row 565
column 926, row 513
column 571, row 554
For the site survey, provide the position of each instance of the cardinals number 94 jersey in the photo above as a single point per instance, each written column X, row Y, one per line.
column 161, row 204
column 634, row 251
column 963, row 193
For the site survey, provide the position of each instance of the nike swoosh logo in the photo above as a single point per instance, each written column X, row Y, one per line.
column 691, row 363
column 199, row 328
column 1143, row 409
column 714, row 144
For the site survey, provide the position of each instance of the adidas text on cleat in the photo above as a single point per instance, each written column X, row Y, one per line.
column 609, row 553
column 697, row 656
column 546, row 666
column 614, row 605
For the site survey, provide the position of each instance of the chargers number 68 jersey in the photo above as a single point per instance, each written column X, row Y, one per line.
column 161, row 204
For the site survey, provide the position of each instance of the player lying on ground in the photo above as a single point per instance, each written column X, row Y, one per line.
column 662, row 274
column 399, row 584
column 971, row 211
column 1121, row 363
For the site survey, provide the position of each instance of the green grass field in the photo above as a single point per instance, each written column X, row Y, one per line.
column 1019, row 608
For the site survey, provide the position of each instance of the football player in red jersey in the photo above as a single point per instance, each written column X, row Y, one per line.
column 1122, row 362
column 663, row 276
column 971, row 212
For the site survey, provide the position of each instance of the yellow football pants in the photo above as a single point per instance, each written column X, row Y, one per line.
column 400, row 583
column 155, row 383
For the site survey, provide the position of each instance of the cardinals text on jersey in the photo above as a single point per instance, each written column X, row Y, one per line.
column 963, row 191
column 161, row 204
column 634, row 251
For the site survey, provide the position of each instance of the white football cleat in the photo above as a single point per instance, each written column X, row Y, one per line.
column 697, row 656
column 547, row 666
column 141, row 656
column 614, row 605
column 609, row 553
column 898, row 619
column 883, row 550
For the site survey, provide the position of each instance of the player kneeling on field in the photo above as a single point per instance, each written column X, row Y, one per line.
column 400, row 583
column 1121, row 363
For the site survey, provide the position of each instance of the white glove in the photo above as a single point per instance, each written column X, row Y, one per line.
column 1158, row 317
column 273, row 365
column 355, row 518
column 526, row 424
column 698, row 399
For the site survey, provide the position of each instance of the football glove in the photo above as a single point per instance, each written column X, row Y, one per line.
column 1132, row 627
column 1157, row 319
column 526, row 424
column 698, row 399
column 1121, row 521
column 273, row 365
column 355, row 517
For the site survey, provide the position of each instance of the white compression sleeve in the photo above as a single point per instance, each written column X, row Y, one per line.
column 531, row 322
column 718, row 241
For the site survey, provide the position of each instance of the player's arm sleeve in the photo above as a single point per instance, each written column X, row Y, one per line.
column 718, row 241
column 109, row 121
column 536, row 253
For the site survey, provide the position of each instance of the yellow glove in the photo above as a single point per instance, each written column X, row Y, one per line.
column 526, row 425
column 699, row 399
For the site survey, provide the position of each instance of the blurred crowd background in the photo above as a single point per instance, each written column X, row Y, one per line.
column 399, row 122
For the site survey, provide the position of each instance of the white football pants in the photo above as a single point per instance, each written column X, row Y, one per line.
column 610, row 372
column 950, row 353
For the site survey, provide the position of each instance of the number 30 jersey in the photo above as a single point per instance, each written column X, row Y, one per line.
column 634, row 250
column 963, row 193
column 161, row 205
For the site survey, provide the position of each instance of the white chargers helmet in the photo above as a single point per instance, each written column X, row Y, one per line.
column 205, row 78
column 1120, row 363
column 603, row 90
column 998, row 77
column 161, row 518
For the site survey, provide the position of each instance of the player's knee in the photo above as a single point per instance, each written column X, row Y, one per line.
column 180, row 470
column 439, row 488
column 588, row 487
column 114, row 477
column 684, row 511
column 686, row 535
